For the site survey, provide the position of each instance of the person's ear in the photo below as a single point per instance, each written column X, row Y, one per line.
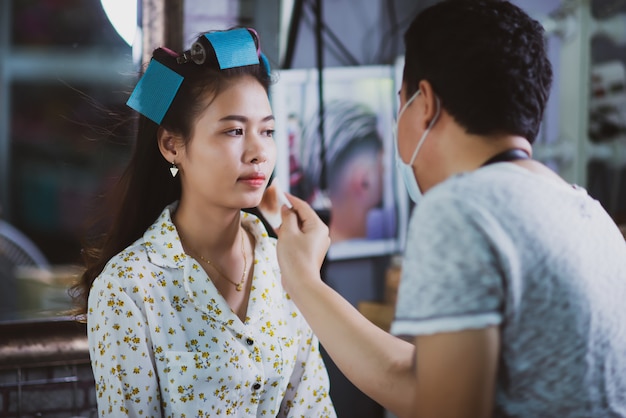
column 430, row 101
column 170, row 145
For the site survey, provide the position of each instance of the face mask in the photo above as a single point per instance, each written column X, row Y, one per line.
column 406, row 170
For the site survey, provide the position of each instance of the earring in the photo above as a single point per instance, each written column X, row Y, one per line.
column 173, row 169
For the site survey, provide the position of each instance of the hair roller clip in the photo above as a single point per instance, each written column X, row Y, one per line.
column 233, row 48
column 198, row 53
column 183, row 58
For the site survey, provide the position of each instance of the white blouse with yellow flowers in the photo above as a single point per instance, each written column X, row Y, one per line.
column 164, row 343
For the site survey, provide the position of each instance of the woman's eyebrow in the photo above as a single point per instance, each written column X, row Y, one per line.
column 244, row 119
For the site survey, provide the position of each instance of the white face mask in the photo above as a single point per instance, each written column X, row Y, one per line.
column 406, row 169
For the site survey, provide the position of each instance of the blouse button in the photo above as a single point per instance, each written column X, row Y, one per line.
column 249, row 341
column 256, row 386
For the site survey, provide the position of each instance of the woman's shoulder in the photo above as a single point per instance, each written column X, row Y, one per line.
column 128, row 261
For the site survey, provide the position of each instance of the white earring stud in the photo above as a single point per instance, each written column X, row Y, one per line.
column 173, row 169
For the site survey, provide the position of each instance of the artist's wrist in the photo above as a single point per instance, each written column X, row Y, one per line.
column 301, row 283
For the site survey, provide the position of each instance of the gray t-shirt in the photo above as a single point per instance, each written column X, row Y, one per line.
column 541, row 260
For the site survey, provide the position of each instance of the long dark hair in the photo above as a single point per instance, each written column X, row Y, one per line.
column 146, row 185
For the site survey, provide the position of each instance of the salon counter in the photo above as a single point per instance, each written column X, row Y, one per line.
column 45, row 369
column 37, row 342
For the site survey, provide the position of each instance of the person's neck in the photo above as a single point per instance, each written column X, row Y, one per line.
column 206, row 230
column 462, row 152
column 481, row 148
column 459, row 152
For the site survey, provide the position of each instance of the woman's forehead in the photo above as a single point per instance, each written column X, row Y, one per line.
column 246, row 98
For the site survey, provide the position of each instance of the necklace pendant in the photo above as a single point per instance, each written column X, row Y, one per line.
column 239, row 287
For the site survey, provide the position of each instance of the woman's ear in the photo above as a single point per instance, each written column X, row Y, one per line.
column 169, row 145
column 430, row 101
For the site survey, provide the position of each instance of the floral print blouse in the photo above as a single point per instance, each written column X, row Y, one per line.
column 164, row 343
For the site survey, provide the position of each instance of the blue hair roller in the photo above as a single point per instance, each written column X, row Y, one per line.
column 155, row 91
column 233, row 48
column 157, row 88
column 266, row 64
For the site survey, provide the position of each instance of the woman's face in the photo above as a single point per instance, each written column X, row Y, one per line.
column 232, row 153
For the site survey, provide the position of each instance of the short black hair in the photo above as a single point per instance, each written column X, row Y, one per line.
column 486, row 60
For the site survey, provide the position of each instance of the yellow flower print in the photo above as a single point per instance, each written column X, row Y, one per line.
column 174, row 312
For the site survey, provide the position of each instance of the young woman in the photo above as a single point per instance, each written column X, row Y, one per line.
column 184, row 305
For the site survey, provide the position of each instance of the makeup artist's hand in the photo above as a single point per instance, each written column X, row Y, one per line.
column 303, row 241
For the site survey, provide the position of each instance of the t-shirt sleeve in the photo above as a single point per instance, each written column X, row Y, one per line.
column 451, row 279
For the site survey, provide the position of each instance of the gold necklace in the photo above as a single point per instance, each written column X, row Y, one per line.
column 238, row 286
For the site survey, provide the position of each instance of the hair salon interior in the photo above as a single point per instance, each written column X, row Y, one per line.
column 67, row 67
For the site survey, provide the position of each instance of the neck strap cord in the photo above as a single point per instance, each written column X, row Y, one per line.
column 513, row 154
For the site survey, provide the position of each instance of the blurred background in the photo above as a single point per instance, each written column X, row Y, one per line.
column 66, row 67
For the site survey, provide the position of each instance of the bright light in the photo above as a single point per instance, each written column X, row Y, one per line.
column 123, row 16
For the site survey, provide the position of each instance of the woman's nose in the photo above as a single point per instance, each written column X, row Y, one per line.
column 256, row 149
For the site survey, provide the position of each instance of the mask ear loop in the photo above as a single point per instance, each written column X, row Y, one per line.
column 427, row 131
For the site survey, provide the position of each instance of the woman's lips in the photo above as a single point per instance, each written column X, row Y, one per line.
column 254, row 180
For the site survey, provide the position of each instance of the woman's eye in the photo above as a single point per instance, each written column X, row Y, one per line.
column 235, row 132
column 269, row 133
